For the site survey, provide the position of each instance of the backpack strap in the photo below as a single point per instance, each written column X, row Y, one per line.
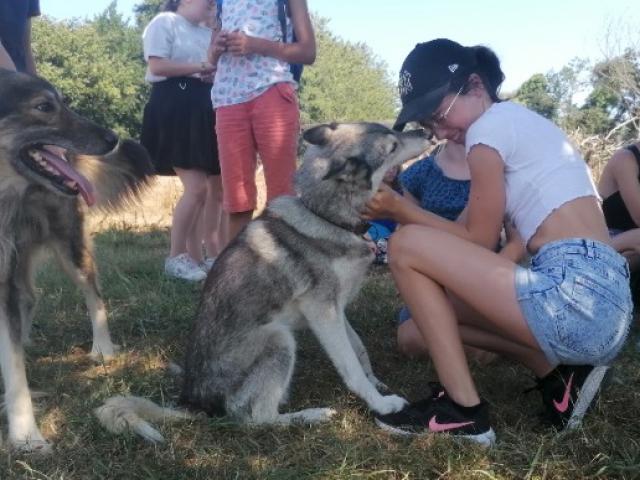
column 219, row 12
column 283, row 13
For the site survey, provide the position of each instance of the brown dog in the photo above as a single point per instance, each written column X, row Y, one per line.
column 49, row 158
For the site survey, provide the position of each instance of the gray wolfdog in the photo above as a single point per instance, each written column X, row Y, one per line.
column 295, row 266
column 49, row 157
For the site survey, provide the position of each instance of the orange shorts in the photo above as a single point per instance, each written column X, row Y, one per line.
column 269, row 126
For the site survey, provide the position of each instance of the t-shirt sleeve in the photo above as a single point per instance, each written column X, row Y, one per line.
column 494, row 130
column 34, row 8
column 157, row 38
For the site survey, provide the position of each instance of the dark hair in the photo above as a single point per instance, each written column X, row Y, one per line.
column 170, row 5
column 487, row 67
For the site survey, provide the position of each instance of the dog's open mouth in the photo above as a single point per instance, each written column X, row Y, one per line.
column 50, row 163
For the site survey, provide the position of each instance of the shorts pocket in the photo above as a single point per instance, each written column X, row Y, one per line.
column 287, row 92
column 593, row 324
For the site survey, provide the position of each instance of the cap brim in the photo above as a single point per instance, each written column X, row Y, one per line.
column 421, row 107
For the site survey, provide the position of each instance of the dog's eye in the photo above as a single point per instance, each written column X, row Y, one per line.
column 394, row 147
column 45, row 107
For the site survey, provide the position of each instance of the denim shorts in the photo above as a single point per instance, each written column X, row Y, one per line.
column 576, row 299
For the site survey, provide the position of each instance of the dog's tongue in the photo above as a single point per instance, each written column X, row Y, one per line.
column 85, row 187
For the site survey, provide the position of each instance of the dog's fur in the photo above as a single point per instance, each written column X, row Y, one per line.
column 48, row 157
column 295, row 266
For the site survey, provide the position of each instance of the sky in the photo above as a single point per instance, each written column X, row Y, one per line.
column 528, row 37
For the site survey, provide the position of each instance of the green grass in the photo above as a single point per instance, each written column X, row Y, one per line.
column 150, row 317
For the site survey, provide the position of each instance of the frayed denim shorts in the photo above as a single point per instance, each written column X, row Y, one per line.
column 576, row 299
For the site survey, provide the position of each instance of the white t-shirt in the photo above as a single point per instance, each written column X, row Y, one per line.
column 173, row 37
column 543, row 170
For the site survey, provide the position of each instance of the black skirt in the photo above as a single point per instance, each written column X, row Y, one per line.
column 178, row 126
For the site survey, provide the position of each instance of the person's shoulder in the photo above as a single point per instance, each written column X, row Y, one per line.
column 623, row 161
column 164, row 18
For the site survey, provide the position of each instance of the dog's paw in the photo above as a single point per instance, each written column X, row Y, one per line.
column 34, row 444
column 390, row 404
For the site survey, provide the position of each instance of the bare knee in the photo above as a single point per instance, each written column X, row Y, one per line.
column 402, row 246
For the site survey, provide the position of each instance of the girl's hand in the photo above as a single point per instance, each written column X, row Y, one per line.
column 384, row 204
column 239, row 43
column 217, row 46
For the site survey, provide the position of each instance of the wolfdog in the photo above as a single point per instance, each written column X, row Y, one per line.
column 297, row 265
column 49, row 157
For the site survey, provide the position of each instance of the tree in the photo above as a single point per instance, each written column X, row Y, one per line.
column 535, row 94
column 346, row 83
column 97, row 65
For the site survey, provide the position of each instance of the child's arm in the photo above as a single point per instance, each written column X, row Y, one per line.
column 303, row 50
column 514, row 249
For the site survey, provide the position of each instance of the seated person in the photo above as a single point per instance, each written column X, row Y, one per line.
column 619, row 186
column 440, row 183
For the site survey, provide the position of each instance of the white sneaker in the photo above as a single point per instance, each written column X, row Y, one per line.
column 184, row 267
column 207, row 263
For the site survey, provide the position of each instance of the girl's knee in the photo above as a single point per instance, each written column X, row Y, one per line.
column 401, row 246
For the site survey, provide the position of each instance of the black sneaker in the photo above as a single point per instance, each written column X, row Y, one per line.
column 440, row 415
column 569, row 391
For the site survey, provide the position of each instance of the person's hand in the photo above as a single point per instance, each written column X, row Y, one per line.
column 217, row 46
column 208, row 77
column 206, row 69
column 514, row 248
column 239, row 43
column 383, row 204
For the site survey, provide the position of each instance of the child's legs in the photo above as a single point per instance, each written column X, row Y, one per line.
column 237, row 155
column 628, row 244
column 214, row 217
column 187, row 213
column 276, row 125
column 477, row 276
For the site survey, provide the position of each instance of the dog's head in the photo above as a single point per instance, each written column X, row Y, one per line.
column 40, row 137
column 345, row 164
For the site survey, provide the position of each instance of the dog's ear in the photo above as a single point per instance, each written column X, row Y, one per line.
column 353, row 169
column 320, row 135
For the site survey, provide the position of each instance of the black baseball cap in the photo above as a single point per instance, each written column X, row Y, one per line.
column 425, row 77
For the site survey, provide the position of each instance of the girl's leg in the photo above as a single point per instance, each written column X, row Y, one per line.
column 628, row 244
column 214, row 218
column 276, row 121
column 412, row 344
column 187, row 213
column 237, row 155
column 480, row 278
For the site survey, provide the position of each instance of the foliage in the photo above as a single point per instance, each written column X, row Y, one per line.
column 346, row 83
column 97, row 65
column 535, row 94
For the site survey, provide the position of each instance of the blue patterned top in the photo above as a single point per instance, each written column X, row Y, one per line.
column 435, row 192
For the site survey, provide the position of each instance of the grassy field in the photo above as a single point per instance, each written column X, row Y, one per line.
column 150, row 317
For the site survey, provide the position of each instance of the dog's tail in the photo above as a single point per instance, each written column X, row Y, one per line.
column 121, row 413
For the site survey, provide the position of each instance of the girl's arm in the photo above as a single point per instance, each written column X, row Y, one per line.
column 625, row 171
column 163, row 67
column 485, row 210
column 303, row 50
